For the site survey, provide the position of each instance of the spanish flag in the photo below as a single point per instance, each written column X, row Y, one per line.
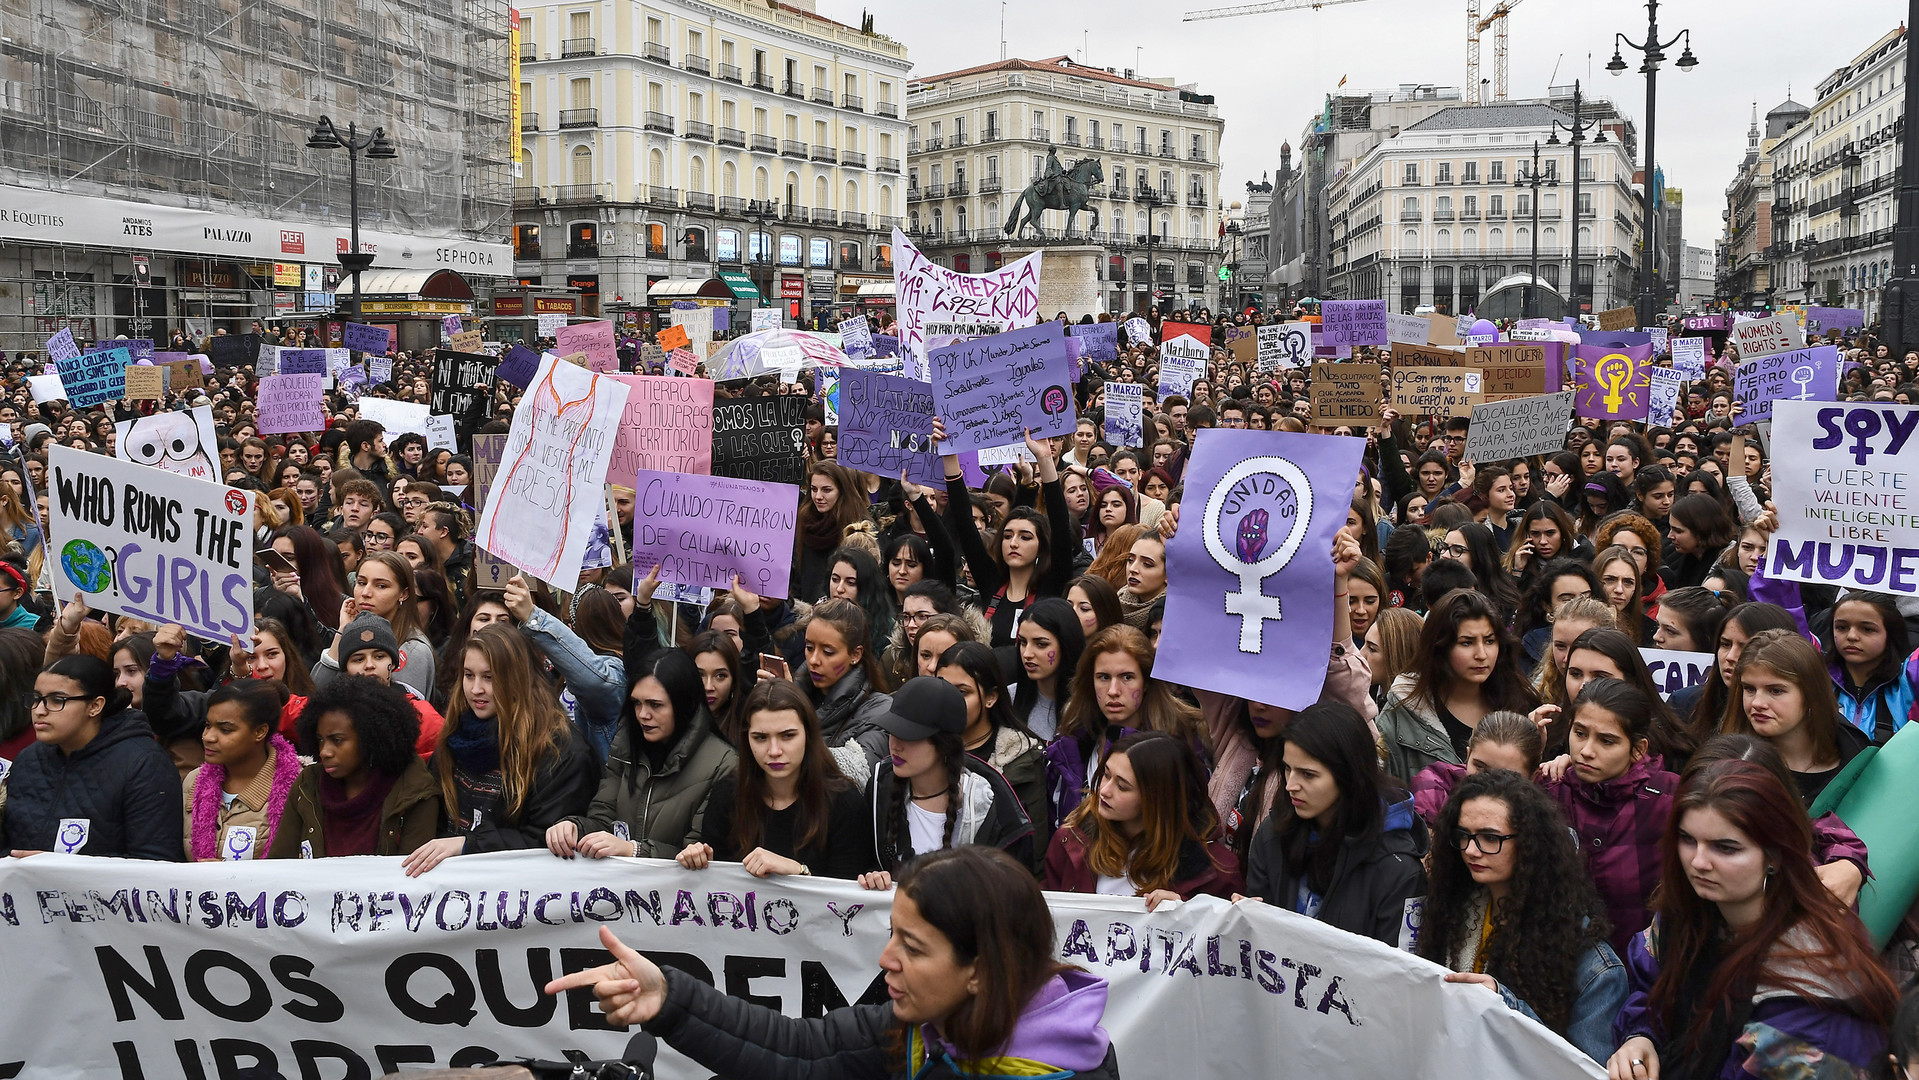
column 1342, row 82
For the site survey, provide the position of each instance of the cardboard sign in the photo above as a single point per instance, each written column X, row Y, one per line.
column 1421, row 391
column 1623, row 318
column 1443, row 330
column 1763, row 337
column 488, row 572
column 886, row 425
column 150, row 543
column 146, row 383
column 1243, row 341
column 1351, row 323
column 466, row 341
column 1519, row 427
column 990, row 390
column 760, row 438
column 1428, row 356
column 1345, row 393
column 1513, row 370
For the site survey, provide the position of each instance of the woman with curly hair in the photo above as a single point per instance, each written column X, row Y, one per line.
column 1508, row 907
column 367, row 792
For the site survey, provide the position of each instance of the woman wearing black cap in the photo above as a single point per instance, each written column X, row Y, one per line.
column 929, row 794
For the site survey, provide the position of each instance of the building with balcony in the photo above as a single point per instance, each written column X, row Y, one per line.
column 1834, row 173
column 726, row 141
column 154, row 168
column 1746, row 275
column 980, row 135
column 1435, row 215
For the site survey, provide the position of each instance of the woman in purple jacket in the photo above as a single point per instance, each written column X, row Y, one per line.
column 1750, row 968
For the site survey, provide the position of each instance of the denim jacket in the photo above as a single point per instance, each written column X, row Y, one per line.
column 598, row 682
column 1603, row 987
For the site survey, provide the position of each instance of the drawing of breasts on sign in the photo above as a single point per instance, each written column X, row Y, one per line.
column 1255, row 520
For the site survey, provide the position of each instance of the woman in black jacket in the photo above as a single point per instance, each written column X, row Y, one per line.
column 971, row 959
column 1034, row 556
column 95, row 781
column 1345, row 847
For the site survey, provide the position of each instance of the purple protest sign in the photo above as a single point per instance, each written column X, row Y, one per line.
column 61, row 347
column 1102, row 341
column 1251, row 566
column 595, row 339
column 989, row 389
column 1705, row 322
column 450, row 325
column 1613, row 383
column 141, row 349
column 363, row 338
column 1354, row 322
column 1800, row 375
column 518, row 366
column 303, row 362
column 701, row 530
column 886, row 424
column 1824, row 320
column 291, row 403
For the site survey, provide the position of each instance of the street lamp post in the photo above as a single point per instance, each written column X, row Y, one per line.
column 1152, row 200
column 1535, row 180
column 377, row 147
column 758, row 213
column 1654, row 51
column 1576, row 135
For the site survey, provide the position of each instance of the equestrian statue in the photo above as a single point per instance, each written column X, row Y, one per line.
column 1058, row 189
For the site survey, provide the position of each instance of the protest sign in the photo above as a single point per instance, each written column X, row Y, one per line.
column 1424, row 391
column 551, row 324
column 1673, row 671
column 363, row 338
column 1428, row 356
column 1345, row 393
column 1519, row 427
column 1623, row 318
column 683, row 361
column 1661, row 338
column 352, row 381
column 1243, row 341
column 1513, row 370
column 1182, row 360
column 698, row 324
column 466, row 341
column 1408, row 329
column 442, row 434
column 667, row 426
column 451, row 325
column 61, row 347
column 856, row 336
column 1350, row 323
column 1200, row 332
column 765, row 318
column 1762, row 337
column 1443, row 330
column 674, row 337
column 886, row 425
column 95, row 377
column 1844, row 477
column 1285, row 345
column 1268, row 504
column 488, row 572
column 518, row 366
column 1689, row 358
column 1101, row 340
column 547, row 494
column 337, row 360
column 183, row 443
column 379, row 370
column 1704, row 322
column 595, row 339
column 461, row 381
column 1824, row 320
column 151, row 543
column 233, row 350
column 147, row 383
column 373, row 970
column 397, row 417
column 1801, row 375
column 1612, row 381
column 702, row 530
column 1139, row 331
column 1125, row 420
column 991, row 389
column 829, row 395
column 266, row 361
column 302, row 362
column 926, row 292
column 1662, row 394
column 183, row 370
column 761, row 438
column 291, row 403
column 46, row 388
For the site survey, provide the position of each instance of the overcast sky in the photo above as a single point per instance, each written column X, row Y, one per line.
column 1271, row 72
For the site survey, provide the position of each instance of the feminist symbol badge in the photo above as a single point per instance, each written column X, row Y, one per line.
column 1265, row 504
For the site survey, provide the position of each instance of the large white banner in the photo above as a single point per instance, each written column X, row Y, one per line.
column 150, row 543
column 347, row 968
column 550, row 489
column 931, row 293
column 1846, row 482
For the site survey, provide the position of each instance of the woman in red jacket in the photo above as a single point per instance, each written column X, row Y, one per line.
column 1151, row 831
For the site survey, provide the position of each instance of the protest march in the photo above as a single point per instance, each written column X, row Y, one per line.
column 950, row 684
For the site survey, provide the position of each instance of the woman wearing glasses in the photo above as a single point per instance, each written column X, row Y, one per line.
column 95, row 781
column 1509, row 907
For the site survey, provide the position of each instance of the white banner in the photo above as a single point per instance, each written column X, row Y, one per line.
column 1844, row 479
column 151, row 543
column 347, row 967
column 931, row 293
column 60, row 218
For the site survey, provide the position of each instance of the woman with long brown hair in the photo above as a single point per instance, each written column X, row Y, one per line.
column 510, row 765
column 1114, row 694
column 1750, row 966
column 1468, row 667
column 834, row 501
column 385, row 587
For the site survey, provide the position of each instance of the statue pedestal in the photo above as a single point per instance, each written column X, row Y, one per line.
column 1068, row 277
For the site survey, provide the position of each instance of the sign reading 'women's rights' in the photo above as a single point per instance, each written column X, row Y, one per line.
column 1252, row 563
column 701, row 530
column 1846, row 481
column 151, row 544
column 991, row 390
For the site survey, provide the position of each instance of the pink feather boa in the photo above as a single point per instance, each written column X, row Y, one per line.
column 206, row 800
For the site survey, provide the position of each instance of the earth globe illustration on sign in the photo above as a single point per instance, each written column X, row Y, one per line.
column 86, row 566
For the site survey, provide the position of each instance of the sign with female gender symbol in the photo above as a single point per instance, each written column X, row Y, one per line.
column 1256, row 568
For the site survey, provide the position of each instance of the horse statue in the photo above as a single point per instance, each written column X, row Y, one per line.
column 1067, row 191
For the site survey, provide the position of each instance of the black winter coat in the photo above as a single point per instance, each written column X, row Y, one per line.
column 732, row 1037
column 562, row 788
column 1370, row 884
column 122, row 783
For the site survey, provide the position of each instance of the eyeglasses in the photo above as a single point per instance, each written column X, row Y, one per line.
column 1453, row 551
column 912, row 619
column 52, row 702
column 1488, row 841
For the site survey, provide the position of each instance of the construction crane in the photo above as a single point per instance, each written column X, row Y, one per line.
column 1475, row 26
